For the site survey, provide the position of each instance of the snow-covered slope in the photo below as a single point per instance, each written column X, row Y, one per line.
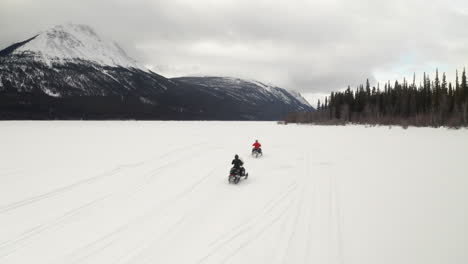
column 157, row 192
column 72, row 60
column 272, row 88
column 299, row 97
column 71, row 43
column 249, row 90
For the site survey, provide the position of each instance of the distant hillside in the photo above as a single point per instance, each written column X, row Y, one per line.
column 69, row 72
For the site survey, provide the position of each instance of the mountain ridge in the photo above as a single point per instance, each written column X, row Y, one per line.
column 70, row 72
column 246, row 86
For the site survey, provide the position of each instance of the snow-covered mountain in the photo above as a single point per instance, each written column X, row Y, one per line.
column 69, row 71
column 249, row 91
column 74, row 43
column 72, row 60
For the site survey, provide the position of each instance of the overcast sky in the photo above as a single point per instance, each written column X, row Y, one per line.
column 310, row 46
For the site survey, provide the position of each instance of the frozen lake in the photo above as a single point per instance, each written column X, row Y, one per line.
column 157, row 192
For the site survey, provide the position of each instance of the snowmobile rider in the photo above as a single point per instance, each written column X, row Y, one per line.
column 257, row 146
column 238, row 165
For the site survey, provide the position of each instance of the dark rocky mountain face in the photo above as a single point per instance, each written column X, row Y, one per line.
column 82, row 90
column 44, row 78
column 248, row 99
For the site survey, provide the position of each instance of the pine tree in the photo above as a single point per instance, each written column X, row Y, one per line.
column 436, row 92
column 368, row 90
column 444, row 82
column 450, row 98
column 463, row 86
column 464, row 98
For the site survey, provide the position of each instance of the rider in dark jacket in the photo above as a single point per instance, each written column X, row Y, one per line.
column 238, row 164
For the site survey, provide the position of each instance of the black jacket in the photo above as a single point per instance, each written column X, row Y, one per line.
column 237, row 163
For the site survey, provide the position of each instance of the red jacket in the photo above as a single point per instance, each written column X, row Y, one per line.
column 257, row 145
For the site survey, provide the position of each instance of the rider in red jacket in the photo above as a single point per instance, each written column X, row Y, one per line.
column 257, row 146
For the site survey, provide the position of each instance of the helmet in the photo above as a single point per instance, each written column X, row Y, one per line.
column 236, row 156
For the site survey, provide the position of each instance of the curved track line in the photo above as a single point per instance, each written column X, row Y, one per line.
column 258, row 234
column 158, row 210
column 172, row 229
column 18, row 242
column 247, row 225
column 92, row 179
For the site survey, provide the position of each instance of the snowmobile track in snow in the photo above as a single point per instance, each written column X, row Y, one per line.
column 162, row 197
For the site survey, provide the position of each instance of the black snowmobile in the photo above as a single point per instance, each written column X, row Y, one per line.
column 236, row 174
column 237, row 171
column 257, row 152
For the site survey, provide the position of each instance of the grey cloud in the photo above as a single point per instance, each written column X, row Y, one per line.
column 310, row 46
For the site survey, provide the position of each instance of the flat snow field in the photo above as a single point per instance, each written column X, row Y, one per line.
column 157, row 192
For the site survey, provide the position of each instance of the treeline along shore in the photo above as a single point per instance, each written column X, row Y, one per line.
column 431, row 103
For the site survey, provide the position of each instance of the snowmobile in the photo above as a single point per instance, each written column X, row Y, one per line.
column 257, row 152
column 235, row 175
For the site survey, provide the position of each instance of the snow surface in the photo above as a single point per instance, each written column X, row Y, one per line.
column 157, row 192
column 71, row 42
